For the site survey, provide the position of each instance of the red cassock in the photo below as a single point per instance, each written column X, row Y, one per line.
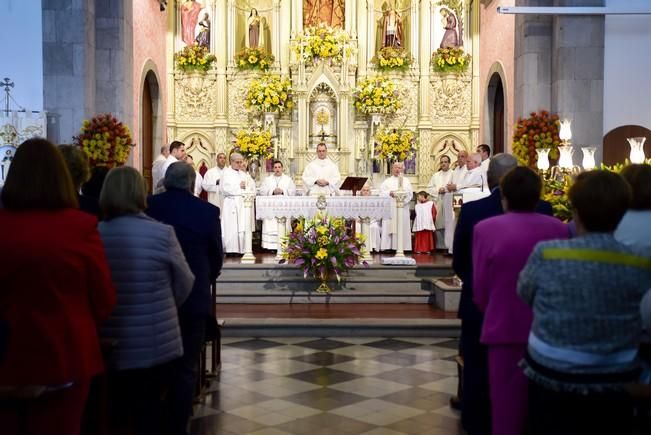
column 425, row 240
column 55, row 291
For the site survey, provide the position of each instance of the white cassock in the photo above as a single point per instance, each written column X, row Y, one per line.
column 321, row 169
column 439, row 180
column 157, row 171
column 474, row 179
column 270, row 226
column 389, row 226
column 233, row 217
column 166, row 164
column 210, row 184
column 198, row 181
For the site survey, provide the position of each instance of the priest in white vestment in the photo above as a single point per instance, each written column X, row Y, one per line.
column 475, row 177
column 437, row 187
column 233, row 185
column 211, row 180
column 321, row 176
column 390, row 226
column 177, row 152
column 275, row 184
column 157, row 167
column 373, row 243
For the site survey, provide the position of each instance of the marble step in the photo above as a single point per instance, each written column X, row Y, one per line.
column 446, row 292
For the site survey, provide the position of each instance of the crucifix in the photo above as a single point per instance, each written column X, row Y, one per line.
column 7, row 84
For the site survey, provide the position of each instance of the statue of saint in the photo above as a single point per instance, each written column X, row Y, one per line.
column 254, row 36
column 391, row 28
column 450, row 37
column 330, row 12
column 189, row 14
column 203, row 38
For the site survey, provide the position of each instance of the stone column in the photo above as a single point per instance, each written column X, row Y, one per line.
column 362, row 37
column 285, row 32
column 275, row 31
column 302, row 120
column 370, row 34
column 424, row 54
column 231, row 30
column 249, row 198
column 400, row 197
column 475, row 103
column 413, row 18
column 223, row 59
column 171, row 95
column 282, row 233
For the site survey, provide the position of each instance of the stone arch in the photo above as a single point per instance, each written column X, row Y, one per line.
column 150, row 117
column 496, row 110
column 199, row 146
column 447, row 145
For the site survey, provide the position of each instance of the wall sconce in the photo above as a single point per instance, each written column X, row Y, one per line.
column 637, row 149
column 588, row 158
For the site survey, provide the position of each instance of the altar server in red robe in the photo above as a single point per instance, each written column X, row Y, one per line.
column 425, row 239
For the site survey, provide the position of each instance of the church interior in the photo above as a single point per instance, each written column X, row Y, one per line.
column 355, row 155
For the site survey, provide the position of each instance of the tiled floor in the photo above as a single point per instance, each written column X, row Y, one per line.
column 316, row 386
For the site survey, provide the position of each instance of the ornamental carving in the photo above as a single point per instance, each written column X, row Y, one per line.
column 408, row 111
column 451, row 99
column 196, row 96
column 237, row 90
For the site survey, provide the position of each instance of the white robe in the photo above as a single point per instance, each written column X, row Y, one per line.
column 166, row 164
column 233, row 217
column 458, row 175
column 321, row 169
column 423, row 220
column 439, row 180
column 157, row 171
column 211, row 180
column 389, row 226
column 270, row 226
column 474, row 179
column 198, row 180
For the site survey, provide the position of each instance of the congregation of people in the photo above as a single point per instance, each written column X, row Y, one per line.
column 551, row 319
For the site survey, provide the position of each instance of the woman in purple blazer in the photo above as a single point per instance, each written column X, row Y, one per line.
column 501, row 247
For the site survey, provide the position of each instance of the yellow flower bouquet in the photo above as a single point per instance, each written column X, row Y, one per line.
column 105, row 140
column 322, row 42
column 270, row 93
column 453, row 60
column 395, row 145
column 377, row 95
column 323, row 247
column 390, row 58
column 254, row 144
column 254, row 58
column 194, row 58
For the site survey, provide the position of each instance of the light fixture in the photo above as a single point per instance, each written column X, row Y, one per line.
column 637, row 149
column 588, row 158
column 565, row 133
column 565, row 161
column 543, row 159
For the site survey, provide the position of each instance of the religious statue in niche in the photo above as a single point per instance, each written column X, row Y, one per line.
column 450, row 37
column 391, row 28
column 254, row 35
column 189, row 15
column 330, row 12
column 203, row 38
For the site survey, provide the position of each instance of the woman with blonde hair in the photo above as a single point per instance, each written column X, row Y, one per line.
column 152, row 279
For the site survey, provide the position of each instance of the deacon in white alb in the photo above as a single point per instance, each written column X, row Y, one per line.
column 157, row 167
column 321, row 176
column 211, row 180
column 275, row 184
column 233, row 185
column 438, row 189
column 389, row 226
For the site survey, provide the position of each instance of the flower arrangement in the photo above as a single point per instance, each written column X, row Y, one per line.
column 254, row 58
column 105, row 140
column 390, row 58
column 270, row 94
column 377, row 95
column 194, row 58
column 254, row 144
column 555, row 192
column 453, row 60
column 540, row 130
column 321, row 42
column 321, row 246
column 395, row 144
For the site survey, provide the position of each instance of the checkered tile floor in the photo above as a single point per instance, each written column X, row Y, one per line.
column 378, row 386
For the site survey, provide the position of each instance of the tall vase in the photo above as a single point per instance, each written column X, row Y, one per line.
column 323, row 287
column 254, row 168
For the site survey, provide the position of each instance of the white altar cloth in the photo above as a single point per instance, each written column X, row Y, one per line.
column 349, row 207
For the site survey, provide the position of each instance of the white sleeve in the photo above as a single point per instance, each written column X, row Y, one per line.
column 210, row 180
column 230, row 184
column 309, row 176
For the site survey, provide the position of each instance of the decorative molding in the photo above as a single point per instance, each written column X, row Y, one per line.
column 196, row 96
column 451, row 99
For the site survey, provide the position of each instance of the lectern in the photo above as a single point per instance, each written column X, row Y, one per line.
column 353, row 183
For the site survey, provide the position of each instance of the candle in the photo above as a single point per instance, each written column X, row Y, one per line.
column 275, row 150
column 400, row 181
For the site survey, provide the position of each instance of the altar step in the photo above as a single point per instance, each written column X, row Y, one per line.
column 282, row 284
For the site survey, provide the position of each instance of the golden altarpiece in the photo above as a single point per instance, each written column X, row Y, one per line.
column 205, row 110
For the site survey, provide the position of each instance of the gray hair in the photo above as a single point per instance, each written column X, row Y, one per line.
column 498, row 166
column 164, row 149
column 179, row 175
column 236, row 156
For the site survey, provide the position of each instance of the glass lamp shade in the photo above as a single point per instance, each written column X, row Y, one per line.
column 588, row 158
column 565, row 133
column 637, row 149
column 565, row 162
column 543, row 158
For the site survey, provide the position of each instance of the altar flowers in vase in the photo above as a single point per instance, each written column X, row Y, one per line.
column 270, row 93
column 377, row 95
column 450, row 60
column 254, row 144
column 392, row 59
column 254, row 58
column 395, row 145
column 323, row 247
column 194, row 58
column 105, row 140
column 322, row 42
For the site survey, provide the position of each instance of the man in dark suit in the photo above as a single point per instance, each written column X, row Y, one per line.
column 198, row 229
column 475, row 412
